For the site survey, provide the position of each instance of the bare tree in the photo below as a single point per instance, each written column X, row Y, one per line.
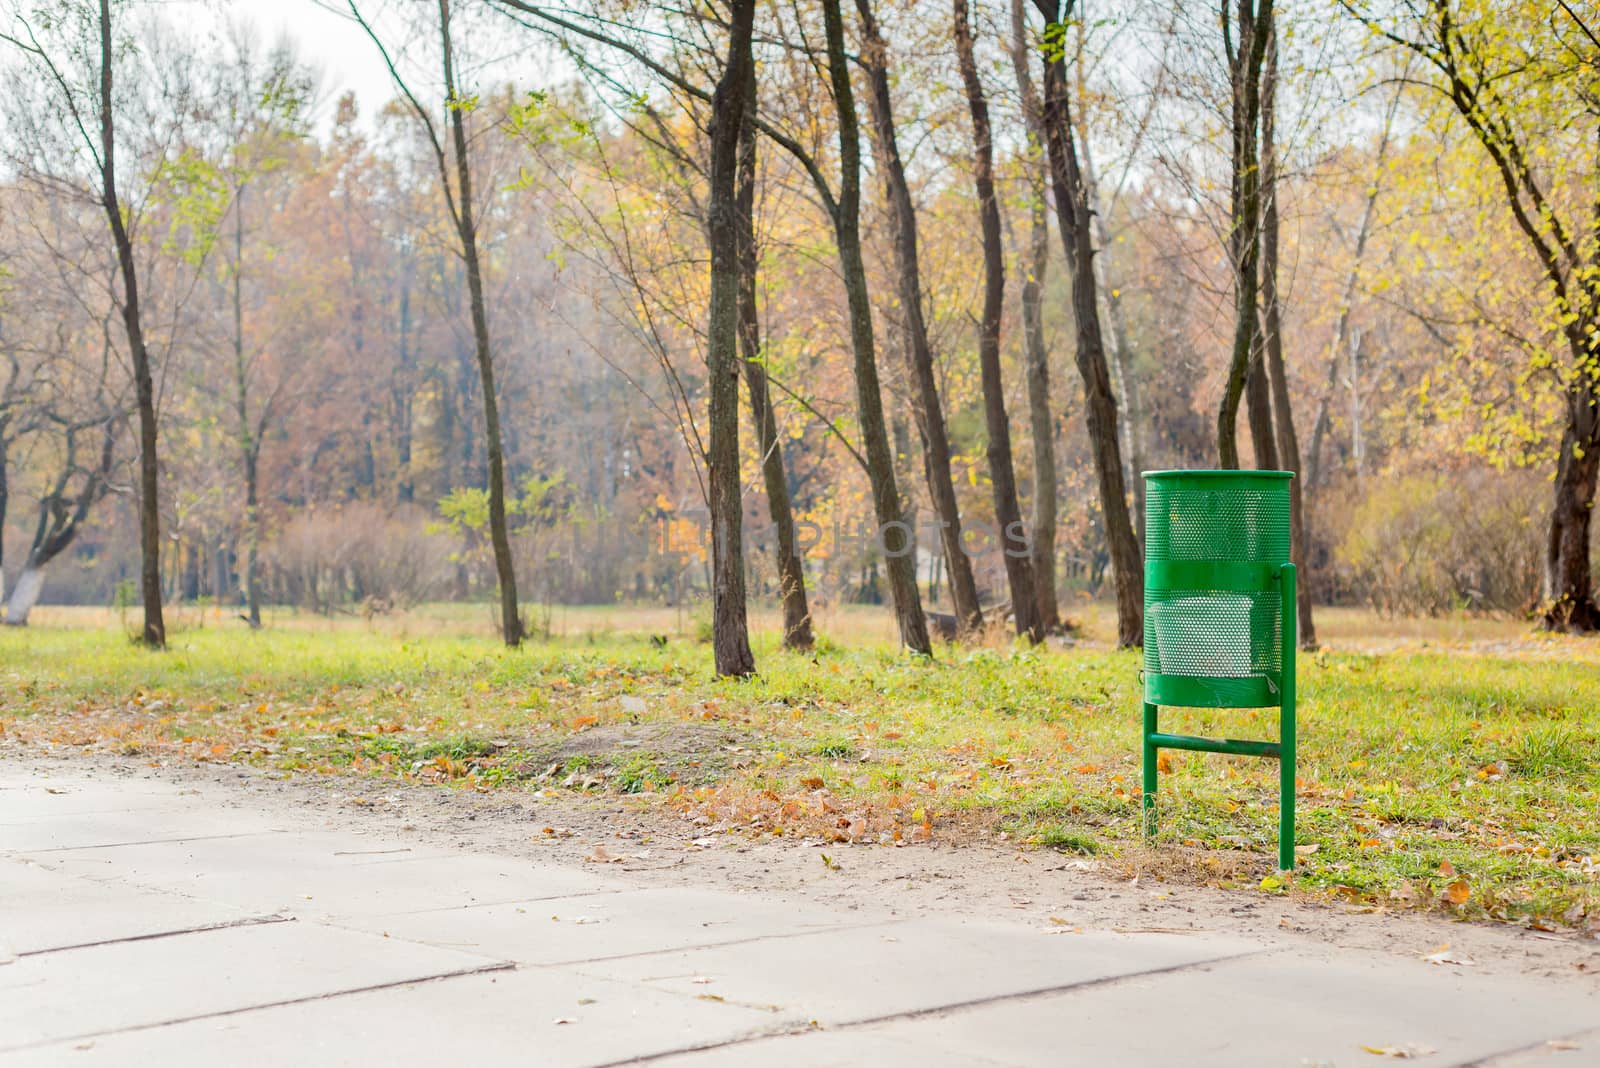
column 926, row 407
column 1288, row 441
column 1074, row 219
column 459, row 201
column 797, row 628
column 87, row 110
column 1245, row 33
column 1002, row 473
column 730, row 632
column 1041, row 424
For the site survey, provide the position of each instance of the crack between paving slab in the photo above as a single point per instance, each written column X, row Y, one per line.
column 1499, row 1057
column 786, row 1030
column 713, row 945
column 472, row 947
column 460, row 973
column 24, row 853
column 244, row 921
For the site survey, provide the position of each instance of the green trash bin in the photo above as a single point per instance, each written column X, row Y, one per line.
column 1219, row 615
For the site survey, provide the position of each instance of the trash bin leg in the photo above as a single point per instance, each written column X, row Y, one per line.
column 1286, row 755
column 1149, row 769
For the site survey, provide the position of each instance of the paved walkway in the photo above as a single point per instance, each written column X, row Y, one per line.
column 147, row 923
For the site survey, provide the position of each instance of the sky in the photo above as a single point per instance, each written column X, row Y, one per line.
column 332, row 43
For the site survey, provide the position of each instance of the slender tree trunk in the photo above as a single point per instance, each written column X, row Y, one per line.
column 1258, row 409
column 5, row 497
column 1316, row 473
column 155, row 627
column 1121, row 348
column 1100, row 406
column 1041, row 426
column 900, row 563
column 499, row 534
column 927, row 408
column 797, row 630
column 1016, row 549
column 249, row 446
column 1272, row 320
column 730, row 631
column 1245, row 59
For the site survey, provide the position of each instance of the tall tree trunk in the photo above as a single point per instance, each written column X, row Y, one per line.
column 1245, row 58
column 1041, row 426
column 1569, row 603
column 499, row 534
column 730, row 632
column 1272, row 319
column 249, row 445
column 797, row 629
column 1002, row 474
column 1121, row 347
column 900, row 564
column 1100, row 406
column 927, row 408
column 155, row 627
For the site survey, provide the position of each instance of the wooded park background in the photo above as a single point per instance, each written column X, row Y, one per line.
column 601, row 293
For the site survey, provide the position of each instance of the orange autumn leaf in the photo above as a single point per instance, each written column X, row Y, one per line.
column 1458, row 892
column 1164, row 763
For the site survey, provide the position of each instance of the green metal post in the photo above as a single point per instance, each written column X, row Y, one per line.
column 1286, row 756
column 1150, row 761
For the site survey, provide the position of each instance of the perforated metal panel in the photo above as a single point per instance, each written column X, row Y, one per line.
column 1193, row 518
column 1212, row 604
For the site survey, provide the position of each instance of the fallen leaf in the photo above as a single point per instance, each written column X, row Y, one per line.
column 1164, row 763
column 1405, row 1052
column 1447, row 869
column 1086, row 769
column 1561, row 1044
column 1305, row 850
column 1458, row 892
column 602, row 855
column 1443, row 955
column 812, row 783
column 559, row 1020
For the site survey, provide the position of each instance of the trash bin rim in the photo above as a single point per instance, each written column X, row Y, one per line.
column 1205, row 473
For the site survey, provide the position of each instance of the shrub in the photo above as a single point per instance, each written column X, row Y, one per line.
column 1431, row 544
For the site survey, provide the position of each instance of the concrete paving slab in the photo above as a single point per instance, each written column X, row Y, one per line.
column 596, row 926
column 45, row 910
column 1577, row 1050
column 318, row 874
column 74, row 994
column 847, row 976
column 1278, row 1009
column 502, row 1018
column 24, row 798
column 835, row 1049
column 102, row 830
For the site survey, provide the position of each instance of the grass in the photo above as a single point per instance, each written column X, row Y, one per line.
column 1445, row 764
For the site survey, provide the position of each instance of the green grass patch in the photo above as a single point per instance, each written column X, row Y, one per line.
column 1420, row 770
